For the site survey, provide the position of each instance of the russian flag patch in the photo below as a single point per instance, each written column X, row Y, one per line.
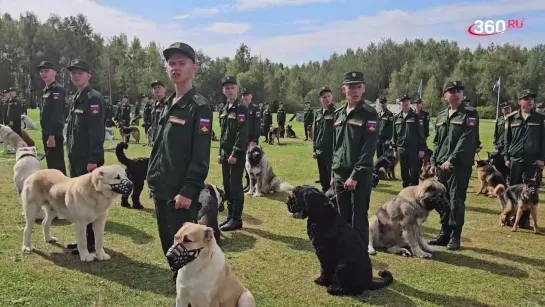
column 241, row 118
column 472, row 121
column 95, row 109
column 204, row 125
column 372, row 125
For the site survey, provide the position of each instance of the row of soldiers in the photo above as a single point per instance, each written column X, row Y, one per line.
column 11, row 109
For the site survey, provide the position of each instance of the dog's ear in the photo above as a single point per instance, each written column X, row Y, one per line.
column 525, row 177
column 208, row 234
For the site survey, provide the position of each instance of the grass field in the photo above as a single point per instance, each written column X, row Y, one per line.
column 271, row 255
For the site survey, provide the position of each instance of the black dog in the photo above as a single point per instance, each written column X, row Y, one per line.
column 274, row 133
column 345, row 264
column 290, row 133
column 136, row 172
column 211, row 200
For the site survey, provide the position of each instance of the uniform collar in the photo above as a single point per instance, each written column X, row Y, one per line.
column 51, row 85
column 186, row 98
column 85, row 90
column 519, row 114
column 357, row 108
column 460, row 109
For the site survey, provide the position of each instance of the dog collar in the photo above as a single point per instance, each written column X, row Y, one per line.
column 28, row 155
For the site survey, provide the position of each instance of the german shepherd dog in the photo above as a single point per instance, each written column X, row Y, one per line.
column 126, row 132
column 522, row 196
column 496, row 159
column 491, row 181
column 385, row 165
column 290, row 133
column 426, row 166
column 274, row 133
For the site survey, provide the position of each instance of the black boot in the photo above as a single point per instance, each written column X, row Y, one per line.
column 231, row 225
column 229, row 215
column 455, row 238
column 443, row 238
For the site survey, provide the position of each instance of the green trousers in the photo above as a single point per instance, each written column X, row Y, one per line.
column 456, row 181
column 410, row 166
column 170, row 220
column 55, row 156
column 232, row 183
column 353, row 205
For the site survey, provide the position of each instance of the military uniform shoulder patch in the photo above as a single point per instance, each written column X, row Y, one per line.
column 199, row 100
column 372, row 125
column 56, row 96
column 95, row 109
column 369, row 108
column 512, row 113
column 472, row 121
column 204, row 125
column 241, row 117
column 470, row 108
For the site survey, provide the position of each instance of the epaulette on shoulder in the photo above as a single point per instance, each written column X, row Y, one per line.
column 512, row 113
column 200, row 100
column 339, row 109
column 369, row 108
column 470, row 108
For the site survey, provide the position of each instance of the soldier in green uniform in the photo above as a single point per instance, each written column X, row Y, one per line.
column 454, row 149
column 160, row 96
column 52, row 117
column 281, row 119
column 232, row 152
column 385, row 126
column 148, row 108
column 424, row 116
column 524, row 143
column 143, row 101
column 85, row 133
column 408, row 141
column 68, row 106
column 307, row 120
column 322, row 145
column 499, row 130
column 541, row 107
column 14, row 111
column 4, row 106
column 180, row 157
column 109, row 112
column 124, row 112
column 267, row 121
column 254, row 126
column 467, row 102
column 355, row 137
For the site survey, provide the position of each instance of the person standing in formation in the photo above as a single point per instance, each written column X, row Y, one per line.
column 232, row 152
column 4, row 106
column 109, row 112
column 159, row 93
column 409, row 142
column 385, row 127
column 424, row 117
column 147, row 118
column 52, row 117
column 180, row 158
column 85, row 133
column 281, row 119
column 307, row 121
column 499, row 131
column 254, row 127
column 322, row 145
column 124, row 112
column 454, row 147
column 14, row 112
column 267, row 121
column 355, row 139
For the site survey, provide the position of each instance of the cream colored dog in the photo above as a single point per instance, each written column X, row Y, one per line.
column 204, row 277
column 83, row 200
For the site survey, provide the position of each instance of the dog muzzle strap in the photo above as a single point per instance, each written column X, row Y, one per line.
column 124, row 187
column 178, row 256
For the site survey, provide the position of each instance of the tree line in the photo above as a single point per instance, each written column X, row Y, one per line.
column 120, row 67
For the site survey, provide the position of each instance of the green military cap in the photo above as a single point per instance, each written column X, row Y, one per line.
column 382, row 100
column 246, row 91
column 182, row 48
column 229, row 79
column 12, row 89
column 324, row 89
column 452, row 85
column 525, row 93
column 79, row 64
column 45, row 64
column 157, row 82
column 5, row 91
column 404, row 97
column 353, row 77
column 504, row 105
column 417, row 100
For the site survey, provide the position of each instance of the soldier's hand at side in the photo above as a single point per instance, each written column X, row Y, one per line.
column 314, row 155
column 540, row 163
column 446, row 166
column 91, row 167
column 350, row 184
column 182, row 202
column 396, row 155
column 232, row 160
column 508, row 164
column 51, row 142
column 421, row 154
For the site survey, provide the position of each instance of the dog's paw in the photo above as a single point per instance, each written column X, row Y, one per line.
column 258, row 195
column 335, row 290
column 406, row 253
column 371, row 251
column 514, row 229
column 423, row 255
column 86, row 257
column 51, row 240
column 103, row 256
column 321, row 281
column 27, row 249
column 428, row 248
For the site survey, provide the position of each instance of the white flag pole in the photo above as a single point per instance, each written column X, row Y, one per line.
column 498, row 101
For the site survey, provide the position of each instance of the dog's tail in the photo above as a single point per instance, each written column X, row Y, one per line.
column 499, row 189
column 120, row 154
column 386, row 279
column 285, row 187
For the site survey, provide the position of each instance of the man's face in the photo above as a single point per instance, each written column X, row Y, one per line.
column 506, row 110
column 418, row 106
column 326, row 99
column 6, row 95
column 266, row 107
column 247, row 98
column 354, row 92
column 107, row 100
column 180, row 68
column 405, row 105
column 47, row 74
column 230, row 90
column 79, row 77
column 145, row 100
column 125, row 100
column 159, row 91
column 12, row 94
column 383, row 106
column 526, row 104
column 454, row 95
column 280, row 106
column 261, row 105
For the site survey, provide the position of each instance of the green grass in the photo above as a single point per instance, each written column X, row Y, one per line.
column 272, row 255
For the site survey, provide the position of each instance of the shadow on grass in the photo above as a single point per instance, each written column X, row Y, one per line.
column 539, row 263
column 483, row 210
column 397, row 294
column 119, row 269
column 248, row 219
column 461, row 260
column 385, row 191
column 137, row 235
column 280, row 196
column 236, row 242
column 293, row 242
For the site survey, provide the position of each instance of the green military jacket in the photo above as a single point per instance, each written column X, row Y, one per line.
column 148, row 108
column 456, row 137
column 499, row 133
column 85, row 131
column 137, row 110
column 267, row 118
column 109, row 114
column 386, row 124
column 409, row 132
column 254, row 123
column 524, row 138
column 14, row 112
column 3, row 103
column 308, row 116
column 425, row 121
column 180, row 157
column 323, row 132
column 52, row 113
column 281, row 116
column 124, row 113
column 234, row 130
column 355, row 138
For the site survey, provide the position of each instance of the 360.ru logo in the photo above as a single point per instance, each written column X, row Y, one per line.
column 493, row 27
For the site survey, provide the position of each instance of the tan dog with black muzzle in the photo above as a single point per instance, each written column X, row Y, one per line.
column 204, row 277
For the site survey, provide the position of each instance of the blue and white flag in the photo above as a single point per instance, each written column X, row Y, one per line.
column 420, row 89
column 497, row 84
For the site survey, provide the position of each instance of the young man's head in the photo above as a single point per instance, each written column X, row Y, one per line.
column 158, row 89
column 526, row 99
column 47, row 71
column 382, row 102
column 505, row 108
column 405, row 103
column 247, row 96
column 418, row 105
column 125, row 99
column 145, row 99
column 181, row 62
column 353, row 86
column 326, row 96
column 230, row 88
column 80, row 73
column 453, row 92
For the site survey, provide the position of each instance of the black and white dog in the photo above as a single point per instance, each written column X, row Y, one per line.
column 211, row 200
